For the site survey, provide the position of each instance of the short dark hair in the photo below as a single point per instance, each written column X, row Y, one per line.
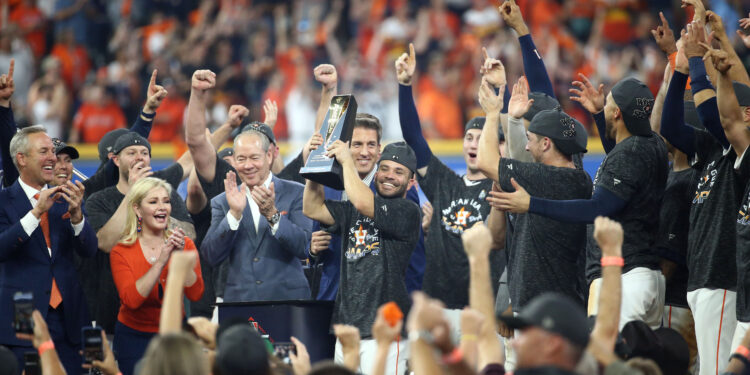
column 329, row 368
column 368, row 121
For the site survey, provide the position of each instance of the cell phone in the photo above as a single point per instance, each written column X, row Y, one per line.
column 282, row 350
column 93, row 347
column 31, row 363
column 23, row 305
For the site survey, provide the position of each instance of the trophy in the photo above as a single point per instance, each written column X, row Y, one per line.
column 337, row 125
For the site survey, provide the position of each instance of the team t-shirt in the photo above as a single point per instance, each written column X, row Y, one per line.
column 743, row 243
column 635, row 170
column 375, row 255
column 712, row 240
column 674, row 222
column 544, row 252
column 457, row 205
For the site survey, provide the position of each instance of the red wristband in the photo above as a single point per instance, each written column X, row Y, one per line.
column 743, row 351
column 453, row 357
column 47, row 345
column 613, row 261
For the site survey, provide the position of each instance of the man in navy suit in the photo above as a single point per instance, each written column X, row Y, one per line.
column 40, row 228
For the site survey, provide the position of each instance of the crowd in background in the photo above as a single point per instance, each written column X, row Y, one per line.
column 83, row 64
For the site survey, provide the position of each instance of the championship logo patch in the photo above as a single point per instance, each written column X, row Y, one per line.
column 461, row 214
column 569, row 127
column 705, row 183
column 643, row 108
column 363, row 239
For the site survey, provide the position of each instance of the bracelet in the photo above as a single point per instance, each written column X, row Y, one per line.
column 743, row 351
column 468, row 337
column 47, row 345
column 453, row 357
column 149, row 116
column 740, row 358
column 613, row 261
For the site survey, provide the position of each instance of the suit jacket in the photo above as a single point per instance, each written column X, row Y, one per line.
column 331, row 259
column 26, row 265
column 262, row 266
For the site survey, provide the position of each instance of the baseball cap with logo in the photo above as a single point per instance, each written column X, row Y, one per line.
column 568, row 134
column 635, row 101
column 130, row 139
column 475, row 123
column 225, row 152
column 62, row 148
column 262, row 128
column 554, row 313
column 542, row 102
column 401, row 153
column 107, row 143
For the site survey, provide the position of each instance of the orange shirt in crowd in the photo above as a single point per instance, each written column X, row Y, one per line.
column 136, row 311
column 168, row 120
column 27, row 17
column 93, row 121
column 442, row 110
column 74, row 64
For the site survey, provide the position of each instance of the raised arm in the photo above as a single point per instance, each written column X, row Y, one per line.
column 411, row 129
column 673, row 127
column 181, row 274
column 515, row 137
column 737, row 70
column 328, row 77
column 313, row 203
column 592, row 99
column 496, row 220
column 656, row 113
column 195, row 121
column 730, row 113
column 488, row 154
column 8, row 126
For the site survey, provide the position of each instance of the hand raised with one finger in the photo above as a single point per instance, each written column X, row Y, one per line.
column 406, row 64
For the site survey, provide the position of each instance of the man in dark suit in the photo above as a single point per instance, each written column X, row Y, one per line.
column 40, row 228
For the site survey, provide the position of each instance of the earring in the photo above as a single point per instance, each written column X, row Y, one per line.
column 139, row 228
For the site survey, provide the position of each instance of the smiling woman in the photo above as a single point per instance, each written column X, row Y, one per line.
column 140, row 266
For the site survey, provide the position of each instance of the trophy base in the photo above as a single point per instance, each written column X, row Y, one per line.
column 330, row 176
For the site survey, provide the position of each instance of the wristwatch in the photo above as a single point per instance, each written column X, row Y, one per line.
column 274, row 218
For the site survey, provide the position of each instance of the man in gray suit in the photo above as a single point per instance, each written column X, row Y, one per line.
column 259, row 226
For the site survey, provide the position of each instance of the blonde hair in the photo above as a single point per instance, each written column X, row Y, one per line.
column 135, row 196
column 174, row 353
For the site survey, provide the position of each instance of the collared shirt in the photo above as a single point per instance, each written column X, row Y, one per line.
column 367, row 180
column 234, row 223
column 30, row 222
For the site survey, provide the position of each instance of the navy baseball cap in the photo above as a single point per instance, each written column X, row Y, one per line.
column 554, row 313
column 107, row 143
column 568, row 134
column 542, row 102
column 262, row 128
column 635, row 101
column 401, row 153
column 130, row 139
column 475, row 123
column 62, row 148
column 225, row 152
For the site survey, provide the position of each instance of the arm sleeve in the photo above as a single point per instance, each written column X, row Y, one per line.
column 708, row 111
column 673, row 126
column 601, row 127
column 602, row 203
column 142, row 127
column 125, row 280
column 411, row 129
column 534, row 68
column 7, row 131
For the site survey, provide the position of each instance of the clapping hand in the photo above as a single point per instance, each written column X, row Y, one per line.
column 519, row 102
column 236, row 196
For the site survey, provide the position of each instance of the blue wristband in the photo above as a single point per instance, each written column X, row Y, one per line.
column 698, row 77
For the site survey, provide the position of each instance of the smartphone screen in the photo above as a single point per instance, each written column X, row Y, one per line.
column 282, row 349
column 23, row 304
column 31, row 363
column 91, row 339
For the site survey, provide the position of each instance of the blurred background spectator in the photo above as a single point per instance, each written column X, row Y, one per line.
column 82, row 66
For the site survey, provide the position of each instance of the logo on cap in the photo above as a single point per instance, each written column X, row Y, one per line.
column 548, row 323
column 569, row 127
column 643, row 108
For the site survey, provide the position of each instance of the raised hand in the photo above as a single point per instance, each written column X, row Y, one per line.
column 7, row 87
column 681, row 63
column 664, row 36
column 694, row 36
column 490, row 102
column 720, row 58
column 312, row 144
column 745, row 22
column 47, row 198
column 271, row 113
column 405, row 66
column 519, row 102
column 426, row 216
column 715, row 24
column 301, row 360
column 155, row 94
column 108, row 366
column 203, row 80
column 236, row 198
column 41, row 332
column 609, row 235
column 516, row 202
column 591, row 99
column 493, row 70
column 425, row 313
column 340, row 151
column 319, row 242
column 382, row 331
column 137, row 171
column 265, row 198
column 326, row 75
column 348, row 335
column 73, row 194
column 700, row 10
column 744, row 37
column 477, row 241
column 511, row 14
column 237, row 113
column 183, row 261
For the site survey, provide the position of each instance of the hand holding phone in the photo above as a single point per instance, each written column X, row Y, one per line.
column 282, row 350
column 23, row 305
column 91, row 340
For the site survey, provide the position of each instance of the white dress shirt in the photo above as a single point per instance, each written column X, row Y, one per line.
column 29, row 222
column 234, row 223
